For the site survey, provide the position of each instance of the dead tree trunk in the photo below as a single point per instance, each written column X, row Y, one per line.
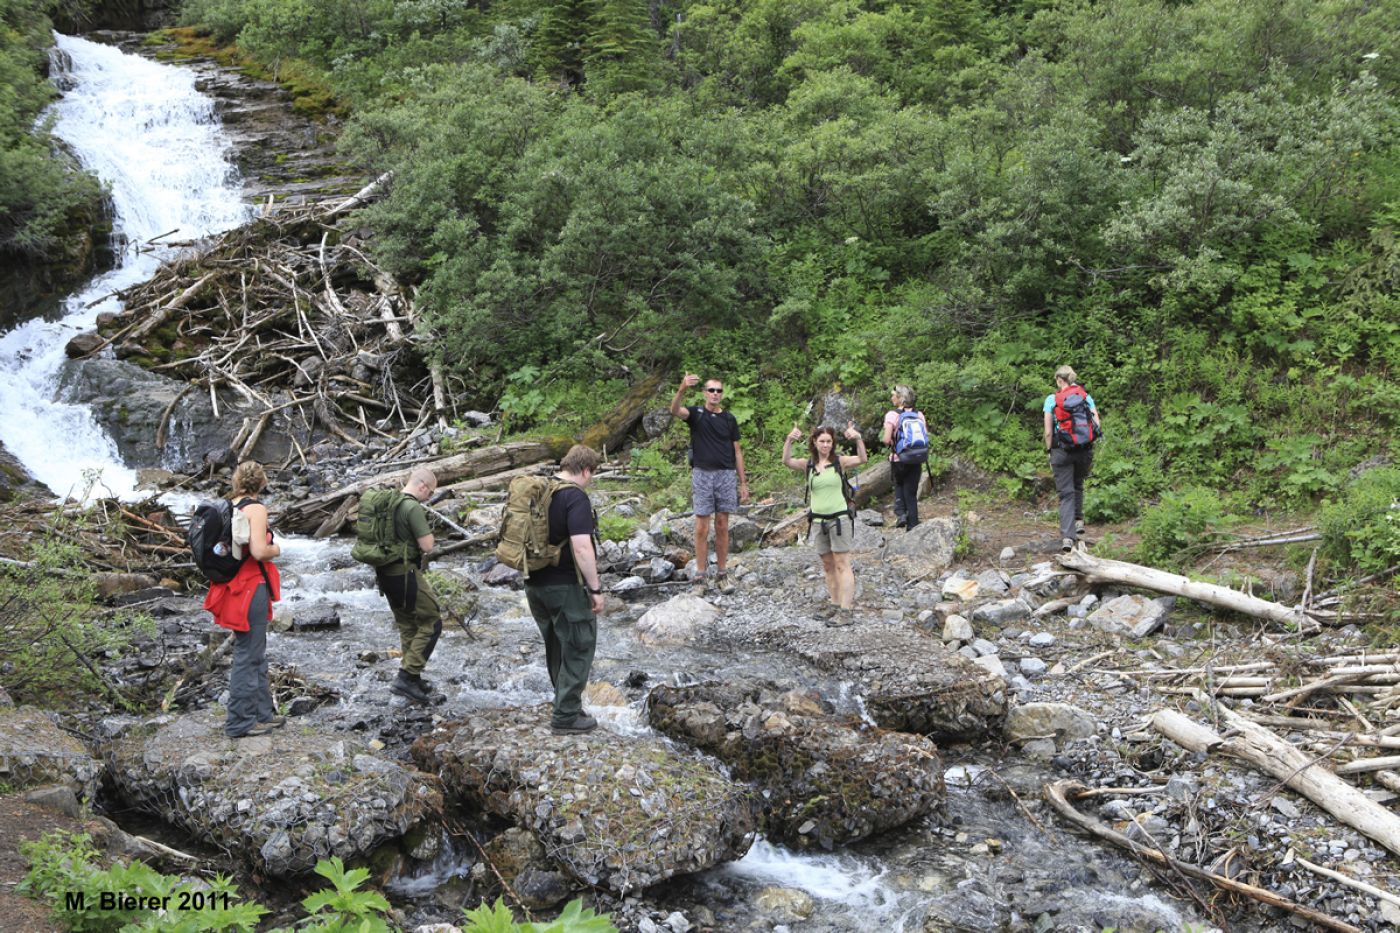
column 1149, row 578
column 1260, row 747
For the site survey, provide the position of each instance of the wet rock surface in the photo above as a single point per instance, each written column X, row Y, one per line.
column 622, row 814
column 824, row 781
column 34, row 751
column 280, row 801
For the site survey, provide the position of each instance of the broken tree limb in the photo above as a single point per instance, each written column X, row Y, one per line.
column 1059, row 794
column 1149, row 578
column 612, row 430
column 157, row 317
column 366, row 194
column 1344, row 879
column 1258, row 746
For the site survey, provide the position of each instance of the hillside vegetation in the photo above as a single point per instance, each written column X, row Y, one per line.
column 1195, row 204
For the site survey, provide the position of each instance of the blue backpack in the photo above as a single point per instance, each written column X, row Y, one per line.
column 911, row 438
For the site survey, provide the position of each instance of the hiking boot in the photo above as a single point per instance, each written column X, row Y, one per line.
column 1079, row 527
column 726, row 585
column 407, row 686
column 1066, row 545
column 702, row 585
column 276, row 722
column 840, row 618
column 427, row 685
column 581, row 723
column 262, row 728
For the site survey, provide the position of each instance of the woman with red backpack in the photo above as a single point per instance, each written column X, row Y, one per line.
column 1071, row 427
column 831, row 512
column 244, row 606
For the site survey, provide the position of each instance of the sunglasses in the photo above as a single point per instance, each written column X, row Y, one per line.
column 716, row 391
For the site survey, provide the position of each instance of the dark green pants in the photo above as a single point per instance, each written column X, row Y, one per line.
column 415, row 607
column 570, row 634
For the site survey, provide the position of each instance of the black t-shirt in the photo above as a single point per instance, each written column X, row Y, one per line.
column 713, row 435
column 570, row 513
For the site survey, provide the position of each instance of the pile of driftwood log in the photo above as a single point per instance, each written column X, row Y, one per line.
column 290, row 314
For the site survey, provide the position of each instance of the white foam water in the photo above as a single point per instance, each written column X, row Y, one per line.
column 156, row 144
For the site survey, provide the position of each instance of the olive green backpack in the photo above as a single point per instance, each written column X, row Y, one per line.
column 377, row 544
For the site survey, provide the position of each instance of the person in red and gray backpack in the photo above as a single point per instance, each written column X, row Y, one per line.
column 1071, row 426
column 906, row 433
column 244, row 605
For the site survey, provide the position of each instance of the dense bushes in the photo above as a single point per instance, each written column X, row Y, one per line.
column 42, row 198
column 1195, row 204
column 1361, row 529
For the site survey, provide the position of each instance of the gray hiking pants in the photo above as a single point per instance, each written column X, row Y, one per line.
column 1071, row 468
column 249, row 692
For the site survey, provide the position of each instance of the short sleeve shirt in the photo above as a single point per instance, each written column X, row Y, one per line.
column 1050, row 402
column 410, row 521
column 892, row 419
column 713, row 435
column 570, row 513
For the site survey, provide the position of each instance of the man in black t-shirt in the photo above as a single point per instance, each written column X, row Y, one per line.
column 717, row 479
column 566, row 599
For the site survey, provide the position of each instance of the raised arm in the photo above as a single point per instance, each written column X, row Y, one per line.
column 860, row 457
column 799, row 465
column 678, row 410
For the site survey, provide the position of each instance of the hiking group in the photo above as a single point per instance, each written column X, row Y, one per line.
column 549, row 533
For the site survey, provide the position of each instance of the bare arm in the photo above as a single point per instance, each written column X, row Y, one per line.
column 689, row 380
column 582, row 548
column 258, row 544
column 799, row 464
column 426, row 542
column 860, row 457
column 1049, row 423
column 743, row 477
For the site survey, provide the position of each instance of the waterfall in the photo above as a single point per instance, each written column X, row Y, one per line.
column 154, row 141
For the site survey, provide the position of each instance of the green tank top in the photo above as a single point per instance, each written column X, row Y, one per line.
column 827, row 498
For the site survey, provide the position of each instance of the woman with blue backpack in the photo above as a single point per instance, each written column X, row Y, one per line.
column 906, row 431
column 831, row 509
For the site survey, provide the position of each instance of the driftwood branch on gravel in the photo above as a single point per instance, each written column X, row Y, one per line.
column 1059, row 795
column 1149, row 578
column 1252, row 743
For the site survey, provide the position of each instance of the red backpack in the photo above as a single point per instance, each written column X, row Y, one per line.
column 1074, row 420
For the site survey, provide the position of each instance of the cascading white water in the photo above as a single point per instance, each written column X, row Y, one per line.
column 154, row 140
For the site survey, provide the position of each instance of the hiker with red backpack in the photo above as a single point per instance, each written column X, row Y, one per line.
column 831, row 509
column 1071, row 427
column 906, row 433
column 241, row 600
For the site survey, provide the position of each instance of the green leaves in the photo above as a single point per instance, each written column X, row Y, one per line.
column 497, row 918
column 344, row 908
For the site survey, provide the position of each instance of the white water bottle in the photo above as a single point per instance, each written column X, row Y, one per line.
column 221, row 549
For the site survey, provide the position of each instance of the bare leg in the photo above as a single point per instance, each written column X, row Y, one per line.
column 832, row 582
column 721, row 540
column 702, row 544
column 845, row 587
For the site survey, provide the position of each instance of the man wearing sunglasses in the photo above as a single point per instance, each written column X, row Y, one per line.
column 717, row 480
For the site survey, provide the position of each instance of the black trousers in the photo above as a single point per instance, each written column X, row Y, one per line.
column 906, row 491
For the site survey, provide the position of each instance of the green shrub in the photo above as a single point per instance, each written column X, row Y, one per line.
column 1178, row 523
column 1361, row 530
column 575, row 919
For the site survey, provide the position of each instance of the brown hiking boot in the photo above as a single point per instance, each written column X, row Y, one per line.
column 581, row 723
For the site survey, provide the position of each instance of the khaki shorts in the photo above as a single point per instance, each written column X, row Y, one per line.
column 834, row 535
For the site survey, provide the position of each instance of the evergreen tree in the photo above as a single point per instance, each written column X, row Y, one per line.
column 563, row 42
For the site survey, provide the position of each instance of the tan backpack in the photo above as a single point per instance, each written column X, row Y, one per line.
column 524, row 539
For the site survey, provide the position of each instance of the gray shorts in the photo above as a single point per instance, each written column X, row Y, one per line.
column 714, row 491
column 834, row 535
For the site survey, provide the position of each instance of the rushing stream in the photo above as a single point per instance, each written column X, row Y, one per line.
column 147, row 132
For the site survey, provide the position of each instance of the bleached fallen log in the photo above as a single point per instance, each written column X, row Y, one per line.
column 1342, row 879
column 157, row 317
column 366, row 194
column 1150, row 578
column 1059, row 794
column 1363, row 765
column 1261, row 748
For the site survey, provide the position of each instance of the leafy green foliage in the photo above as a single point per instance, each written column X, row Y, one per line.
column 65, row 863
column 343, row 907
column 1361, row 530
column 497, row 918
column 45, row 202
column 1179, row 522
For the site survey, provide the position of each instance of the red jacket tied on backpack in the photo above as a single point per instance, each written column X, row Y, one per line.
column 229, row 602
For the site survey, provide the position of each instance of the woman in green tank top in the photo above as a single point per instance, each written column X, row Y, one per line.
column 830, row 512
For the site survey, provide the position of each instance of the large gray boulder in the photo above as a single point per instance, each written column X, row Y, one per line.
column 34, row 751
column 1132, row 614
column 823, row 781
column 1060, row 722
column 621, row 813
column 926, row 550
column 280, row 801
column 675, row 621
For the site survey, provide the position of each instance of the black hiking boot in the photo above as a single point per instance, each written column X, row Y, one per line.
column 581, row 723
column 406, row 685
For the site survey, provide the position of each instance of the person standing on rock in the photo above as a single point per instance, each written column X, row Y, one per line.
column 405, row 585
column 906, row 434
column 830, row 511
column 244, row 606
column 567, row 598
column 718, row 482
column 1071, row 426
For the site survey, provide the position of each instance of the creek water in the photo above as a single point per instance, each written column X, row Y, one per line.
column 154, row 140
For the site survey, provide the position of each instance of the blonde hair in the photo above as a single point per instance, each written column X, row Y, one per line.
column 249, row 478
column 904, row 395
column 1068, row 374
